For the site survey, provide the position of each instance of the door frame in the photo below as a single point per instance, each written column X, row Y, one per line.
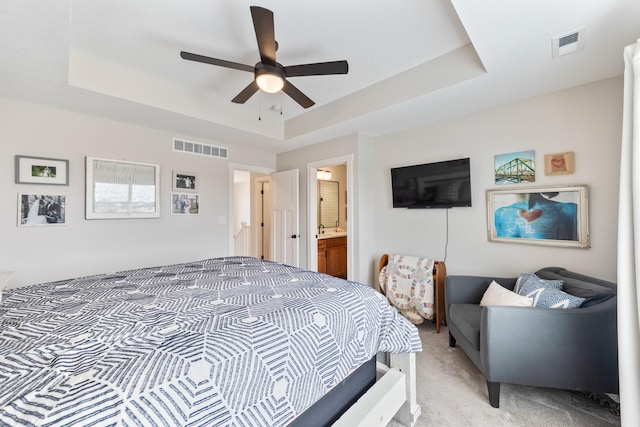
column 312, row 211
column 231, row 222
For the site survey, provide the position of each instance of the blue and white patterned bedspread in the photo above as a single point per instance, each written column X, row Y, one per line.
column 225, row 341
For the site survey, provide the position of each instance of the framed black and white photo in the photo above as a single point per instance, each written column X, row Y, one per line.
column 41, row 170
column 122, row 189
column 185, row 204
column 551, row 216
column 184, row 181
column 41, row 209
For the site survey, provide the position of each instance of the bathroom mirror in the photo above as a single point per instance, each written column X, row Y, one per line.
column 328, row 204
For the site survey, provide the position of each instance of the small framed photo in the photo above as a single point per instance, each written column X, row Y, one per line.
column 558, row 163
column 41, row 170
column 184, row 181
column 41, row 209
column 551, row 216
column 185, row 204
column 515, row 168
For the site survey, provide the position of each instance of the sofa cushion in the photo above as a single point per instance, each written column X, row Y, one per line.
column 496, row 294
column 593, row 293
column 467, row 318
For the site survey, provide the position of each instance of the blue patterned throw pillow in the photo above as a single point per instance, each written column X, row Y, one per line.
column 530, row 282
column 553, row 298
column 521, row 281
column 547, row 293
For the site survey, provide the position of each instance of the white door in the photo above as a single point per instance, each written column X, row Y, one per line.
column 284, row 218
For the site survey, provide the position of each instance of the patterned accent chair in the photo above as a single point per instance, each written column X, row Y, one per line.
column 572, row 349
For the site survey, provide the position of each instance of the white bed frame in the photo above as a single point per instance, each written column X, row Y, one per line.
column 393, row 394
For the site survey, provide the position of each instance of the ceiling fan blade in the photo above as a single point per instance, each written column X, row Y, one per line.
column 265, row 34
column 246, row 93
column 318, row 69
column 214, row 61
column 297, row 95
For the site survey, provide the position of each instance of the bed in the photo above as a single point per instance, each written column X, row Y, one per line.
column 224, row 341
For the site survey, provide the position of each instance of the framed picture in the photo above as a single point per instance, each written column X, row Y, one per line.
column 558, row 163
column 514, row 168
column 185, row 204
column 41, row 170
column 552, row 216
column 41, row 209
column 184, row 181
column 121, row 189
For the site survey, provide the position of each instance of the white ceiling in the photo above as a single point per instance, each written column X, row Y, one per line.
column 410, row 62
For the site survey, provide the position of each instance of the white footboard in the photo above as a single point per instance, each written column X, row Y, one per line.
column 394, row 394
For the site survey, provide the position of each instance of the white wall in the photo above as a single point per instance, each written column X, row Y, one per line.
column 241, row 200
column 585, row 120
column 81, row 247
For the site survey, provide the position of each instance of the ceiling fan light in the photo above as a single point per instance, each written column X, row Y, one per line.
column 270, row 83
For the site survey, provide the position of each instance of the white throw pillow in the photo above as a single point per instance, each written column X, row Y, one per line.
column 497, row 295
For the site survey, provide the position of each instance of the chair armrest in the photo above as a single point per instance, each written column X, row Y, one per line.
column 545, row 346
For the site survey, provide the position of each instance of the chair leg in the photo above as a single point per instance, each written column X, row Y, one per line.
column 494, row 394
column 452, row 340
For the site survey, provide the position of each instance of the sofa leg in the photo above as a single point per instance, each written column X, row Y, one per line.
column 494, row 394
column 452, row 340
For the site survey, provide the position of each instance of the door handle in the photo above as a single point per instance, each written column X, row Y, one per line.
column 293, row 236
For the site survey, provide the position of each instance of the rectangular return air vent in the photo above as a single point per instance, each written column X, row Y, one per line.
column 199, row 148
column 567, row 43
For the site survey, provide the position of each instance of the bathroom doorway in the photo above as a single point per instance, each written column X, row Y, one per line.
column 336, row 172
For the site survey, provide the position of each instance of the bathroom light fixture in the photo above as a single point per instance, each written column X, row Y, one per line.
column 269, row 79
column 323, row 174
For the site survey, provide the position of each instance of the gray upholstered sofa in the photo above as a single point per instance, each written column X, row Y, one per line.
column 573, row 349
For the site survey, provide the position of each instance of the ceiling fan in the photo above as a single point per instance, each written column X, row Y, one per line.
column 269, row 75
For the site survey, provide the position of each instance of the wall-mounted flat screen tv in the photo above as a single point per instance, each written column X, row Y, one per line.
column 432, row 185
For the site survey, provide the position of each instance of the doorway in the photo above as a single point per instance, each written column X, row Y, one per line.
column 264, row 211
column 338, row 165
column 249, row 211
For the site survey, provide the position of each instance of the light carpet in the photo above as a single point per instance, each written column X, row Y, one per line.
column 453, row 392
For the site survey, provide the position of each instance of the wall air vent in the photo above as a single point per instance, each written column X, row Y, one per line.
column 200, row 149
column 567, row 43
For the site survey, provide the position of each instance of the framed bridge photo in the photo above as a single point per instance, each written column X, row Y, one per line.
column 550, row 216
column 514, row 168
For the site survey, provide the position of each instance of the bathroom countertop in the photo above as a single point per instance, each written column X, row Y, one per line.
column 331, row 234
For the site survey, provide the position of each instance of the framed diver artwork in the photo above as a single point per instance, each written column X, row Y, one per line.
column 551, row 216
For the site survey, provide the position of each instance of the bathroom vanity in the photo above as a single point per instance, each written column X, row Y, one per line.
column 332, row 254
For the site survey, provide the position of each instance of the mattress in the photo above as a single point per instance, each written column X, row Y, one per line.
column 231, row 341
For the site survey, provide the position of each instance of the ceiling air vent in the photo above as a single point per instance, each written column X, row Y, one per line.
column 200, row 149
column 567, row 43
